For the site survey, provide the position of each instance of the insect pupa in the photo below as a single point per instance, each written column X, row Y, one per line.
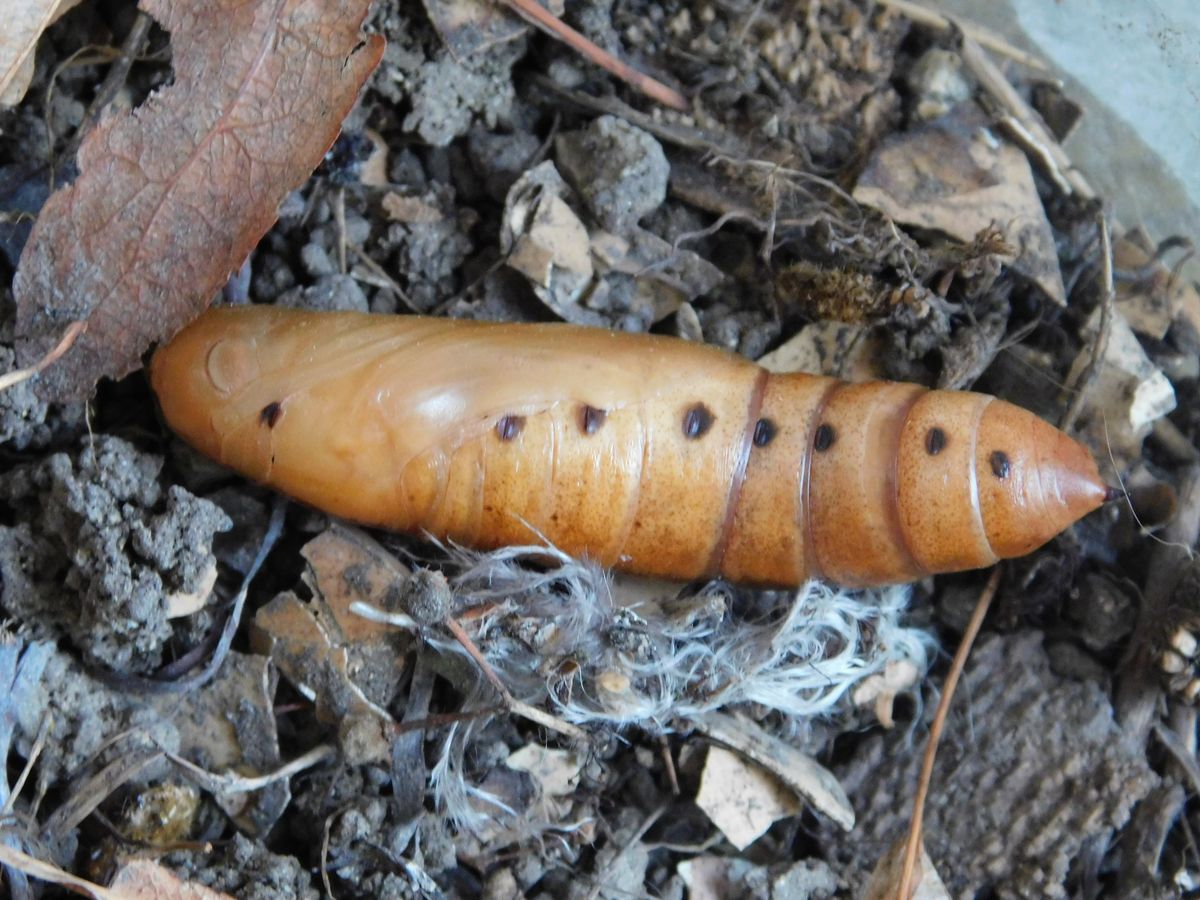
column 648, row 454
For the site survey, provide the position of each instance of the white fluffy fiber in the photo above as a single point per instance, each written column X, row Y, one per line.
column 560, row 639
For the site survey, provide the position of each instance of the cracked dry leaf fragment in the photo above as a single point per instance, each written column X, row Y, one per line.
column 344, row 663
column 741, row 798
column 172, row 196
column 798, row 771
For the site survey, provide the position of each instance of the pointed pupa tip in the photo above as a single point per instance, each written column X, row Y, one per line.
column 1112, row 493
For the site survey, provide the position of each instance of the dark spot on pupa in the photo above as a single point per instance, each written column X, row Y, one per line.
column 935, row 441
column 1000, row 464
column 824, row 438
column 590, row 419
column 696, row 421
column 509, row 427
column 270, row 414
column 764, row 432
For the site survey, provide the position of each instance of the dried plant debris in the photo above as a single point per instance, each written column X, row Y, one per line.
column 811, row 87
column 27, row 421
column 628, row 279
column 229, row 728
column 26, row 20
column 346, row 664
column 545, row 240
column 850, row 352
column 103, row 748
column 170, row 199
column 718, row 877
column 1041, row 772
column 956, row 176
column 565, row 638
column 101, row 522
column 1128, row 395
column 247, row 870
column 742, row 799
column 885, row 882
column 851, row 297
column 801, row 773
column 1150, row 295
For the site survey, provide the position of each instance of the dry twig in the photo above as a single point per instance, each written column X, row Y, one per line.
column 218, row 783
column 984, row 37
column 512, row 703
column 1026, row 126
column 531, row 11
column 131, row 50
column 1100, row 347
column 9, row 379
column 912, row 850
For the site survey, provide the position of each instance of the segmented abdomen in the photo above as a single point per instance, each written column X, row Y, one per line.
column 649, row 454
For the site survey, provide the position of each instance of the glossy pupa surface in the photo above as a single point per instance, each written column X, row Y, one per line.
column 645, row 453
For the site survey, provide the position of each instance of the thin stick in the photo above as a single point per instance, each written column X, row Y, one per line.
column 339, row 216
column 39, row 744
column 325, row 856
column 385, row 280
column 664, row 747
column 118, row 73
column 1100, row 347
column 913, row 849
column 984, row 37
column 44, row 871
column 1025, row 123
column 534, row 13
column 514, row 705
column 68, row 339
column 636, row 837
column 219, row 783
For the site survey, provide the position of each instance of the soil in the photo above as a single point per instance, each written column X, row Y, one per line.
column 123, row 554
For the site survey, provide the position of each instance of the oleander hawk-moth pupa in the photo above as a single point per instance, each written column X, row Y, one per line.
column 649, row 454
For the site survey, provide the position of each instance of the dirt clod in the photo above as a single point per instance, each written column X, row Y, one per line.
column 100, row 522
column 618, row 169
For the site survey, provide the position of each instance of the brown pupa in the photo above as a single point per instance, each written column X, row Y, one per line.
column 648, row 454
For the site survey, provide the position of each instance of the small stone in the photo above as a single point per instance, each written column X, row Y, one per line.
column 619, row 170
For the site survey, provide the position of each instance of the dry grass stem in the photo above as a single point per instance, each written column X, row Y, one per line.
column 931, row 18
column 535, row 14
column 912, row 851
column 68, row 339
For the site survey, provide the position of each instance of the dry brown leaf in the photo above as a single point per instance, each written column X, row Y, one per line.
column 24, row 22
column 954, row 175
column 173, row 196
